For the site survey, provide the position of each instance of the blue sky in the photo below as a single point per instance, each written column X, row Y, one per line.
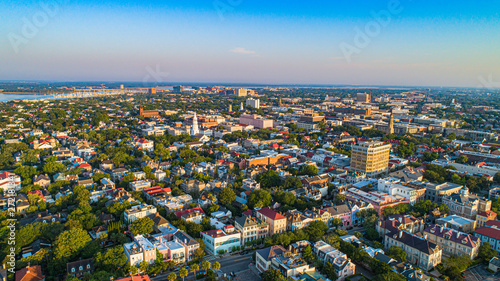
column 425, row 43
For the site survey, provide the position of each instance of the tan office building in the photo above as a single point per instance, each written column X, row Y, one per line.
column 371, row 158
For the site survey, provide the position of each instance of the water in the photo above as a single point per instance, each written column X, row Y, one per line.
column 4, row 97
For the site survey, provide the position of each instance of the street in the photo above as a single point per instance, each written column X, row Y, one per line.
column 236, row 264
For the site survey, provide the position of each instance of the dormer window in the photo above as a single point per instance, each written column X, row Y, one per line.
column 81, row 268
column 88, row 266
column 73, row 269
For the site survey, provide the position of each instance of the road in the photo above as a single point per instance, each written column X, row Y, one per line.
column 235, row 263
column 228, row 264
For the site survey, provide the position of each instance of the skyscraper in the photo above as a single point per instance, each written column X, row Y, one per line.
column 194, row 128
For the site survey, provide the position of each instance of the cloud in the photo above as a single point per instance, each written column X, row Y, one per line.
column 242, row 51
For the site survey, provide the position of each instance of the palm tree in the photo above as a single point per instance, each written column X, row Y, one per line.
column 183, row 273
column 172, row 276
column 195, row 267
column 216, row 266
column 205, row 265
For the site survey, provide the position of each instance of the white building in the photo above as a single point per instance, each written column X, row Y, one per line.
column 393, row 187
column 255, row 103
column 221, row 240
column 10, row 181
column 138, row 212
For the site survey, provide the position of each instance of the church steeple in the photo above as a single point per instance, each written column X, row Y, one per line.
column 194, row 129
column 390, row 129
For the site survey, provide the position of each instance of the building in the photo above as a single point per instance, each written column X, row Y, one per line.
column 453, row 242
column 395, row 223
column 256, row 120
column 148, row 113
column 194, row 127
column 30, row 273
column 458, row 223
column 436, row 192
column 263, row 257
column 465, row 204
column 371, row 158
column 420, row 252
column 483, row 217
column 79, row 268
column 140, row 250
column 490, row 233
column 10, row 181
column 144, row 144
column 135, row 278
column 341, row 263
column 363, row 98
column 138, row 212
column 221, row 241
column 189, row 243
column 290, row 265
column 254, row 103
column 276, row 221
column 251, row 229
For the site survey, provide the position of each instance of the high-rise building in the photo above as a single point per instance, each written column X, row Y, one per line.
column 152, row 90
column 255, row 103
column 178, row 89
column 194, row 128
column 121, row 87
column 363, row 97
column 230, row 108
column 371, row 158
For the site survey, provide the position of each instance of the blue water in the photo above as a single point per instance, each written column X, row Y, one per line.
column 4, row 97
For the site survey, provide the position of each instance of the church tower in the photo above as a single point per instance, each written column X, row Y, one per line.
column 194, row 128
column 141, row 110
column 390, row 129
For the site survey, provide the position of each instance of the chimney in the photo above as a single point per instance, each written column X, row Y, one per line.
column 400, row 220
column 400, row 233
column 458, row 234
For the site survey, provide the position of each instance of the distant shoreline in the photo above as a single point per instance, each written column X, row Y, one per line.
column 25, row 93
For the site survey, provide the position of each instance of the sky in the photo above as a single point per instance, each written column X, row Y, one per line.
column 356, row 42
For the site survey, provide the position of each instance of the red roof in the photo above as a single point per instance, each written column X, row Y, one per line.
column 135, row 278
column 197, row 209
column 491, row 232
column 492, row 224
column 84, row 165
column 487, row 214
column 267, row 212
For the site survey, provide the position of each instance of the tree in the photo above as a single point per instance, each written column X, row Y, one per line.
column 329, row 271
column 70, row 242
column 142, row 226
column 462, row 159
column 310, row 170
column 183, row 272
column 111, row 259
column 292, row 182
column 496, row 178
column 172, row 276
column 307, row 254
column 396, row 253
column 339, row 199
column 259, row 198
column 205, row 265
column 336, row 222
column 194, row 267
column 272, row 275
column 269, row 178
column 226, row 196
column 486, row 252
column 216, row 266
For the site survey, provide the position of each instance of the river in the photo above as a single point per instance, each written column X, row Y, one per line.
column 4, row 97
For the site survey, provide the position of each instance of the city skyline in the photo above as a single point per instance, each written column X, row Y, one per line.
column 406, row 43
